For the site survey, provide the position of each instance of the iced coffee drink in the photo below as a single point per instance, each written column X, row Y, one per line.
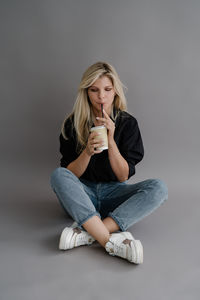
column 103, row 136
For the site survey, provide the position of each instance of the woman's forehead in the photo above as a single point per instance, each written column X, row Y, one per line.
column 104, row 80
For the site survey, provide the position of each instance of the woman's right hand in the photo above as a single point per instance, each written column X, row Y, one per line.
column 93, row 143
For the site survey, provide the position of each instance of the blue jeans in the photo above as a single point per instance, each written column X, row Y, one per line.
column 125, row 203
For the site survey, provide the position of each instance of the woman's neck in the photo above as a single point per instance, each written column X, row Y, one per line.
column 98, row 113
column 94, row 120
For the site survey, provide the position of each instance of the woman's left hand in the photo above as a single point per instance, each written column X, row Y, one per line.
column 110, row 125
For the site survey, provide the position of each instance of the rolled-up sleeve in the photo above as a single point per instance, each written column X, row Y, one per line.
column 67, row 146
column 67, row 149
column 132, row 148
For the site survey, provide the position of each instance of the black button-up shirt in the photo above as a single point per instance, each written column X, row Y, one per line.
column 129, row 142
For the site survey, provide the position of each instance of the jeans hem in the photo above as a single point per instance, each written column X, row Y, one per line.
column 122, row 228
column 87, row 218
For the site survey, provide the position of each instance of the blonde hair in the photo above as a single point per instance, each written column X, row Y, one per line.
column 82, row 110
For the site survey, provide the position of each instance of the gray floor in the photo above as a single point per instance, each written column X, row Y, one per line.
column 32, row 267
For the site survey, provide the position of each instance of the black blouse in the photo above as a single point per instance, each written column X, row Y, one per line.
column 129, row 142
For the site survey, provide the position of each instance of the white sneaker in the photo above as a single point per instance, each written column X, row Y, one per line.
column 124, row 245
column 73, row 236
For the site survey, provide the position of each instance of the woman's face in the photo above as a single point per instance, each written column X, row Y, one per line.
column 101, row 92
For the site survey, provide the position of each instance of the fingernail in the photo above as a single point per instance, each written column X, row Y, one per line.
column 97, row 118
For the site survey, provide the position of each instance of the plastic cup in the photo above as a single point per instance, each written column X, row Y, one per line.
column 103, row 136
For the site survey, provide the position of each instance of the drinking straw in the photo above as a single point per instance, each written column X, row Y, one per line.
column 102, row 110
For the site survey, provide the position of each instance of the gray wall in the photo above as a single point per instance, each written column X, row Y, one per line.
column 154, row 46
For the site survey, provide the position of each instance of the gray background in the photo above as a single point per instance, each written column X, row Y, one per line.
column 45, row 47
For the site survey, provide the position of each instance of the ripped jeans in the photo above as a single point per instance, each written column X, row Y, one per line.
column 125, row 203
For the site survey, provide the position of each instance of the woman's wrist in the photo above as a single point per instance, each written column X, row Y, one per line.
column 111, row 142
column 86, row 153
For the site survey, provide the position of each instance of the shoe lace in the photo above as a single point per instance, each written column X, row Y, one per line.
column 118, row 248
column 81, row 235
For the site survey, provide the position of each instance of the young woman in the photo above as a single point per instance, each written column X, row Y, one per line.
column 90, row 184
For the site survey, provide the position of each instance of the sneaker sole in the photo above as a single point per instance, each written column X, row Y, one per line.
column 65, row 237
column 138, row 253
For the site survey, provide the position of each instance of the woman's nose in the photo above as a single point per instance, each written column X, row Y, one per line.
column 101, row 94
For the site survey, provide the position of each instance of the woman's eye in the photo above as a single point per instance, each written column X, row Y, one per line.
column 97, row 91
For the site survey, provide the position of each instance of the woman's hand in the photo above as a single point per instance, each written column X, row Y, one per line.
column 110, row 125
column 93, row 143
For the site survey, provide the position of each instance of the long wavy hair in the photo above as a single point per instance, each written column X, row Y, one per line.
column 82, row 113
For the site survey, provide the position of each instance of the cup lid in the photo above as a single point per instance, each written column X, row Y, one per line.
column 98, row 127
